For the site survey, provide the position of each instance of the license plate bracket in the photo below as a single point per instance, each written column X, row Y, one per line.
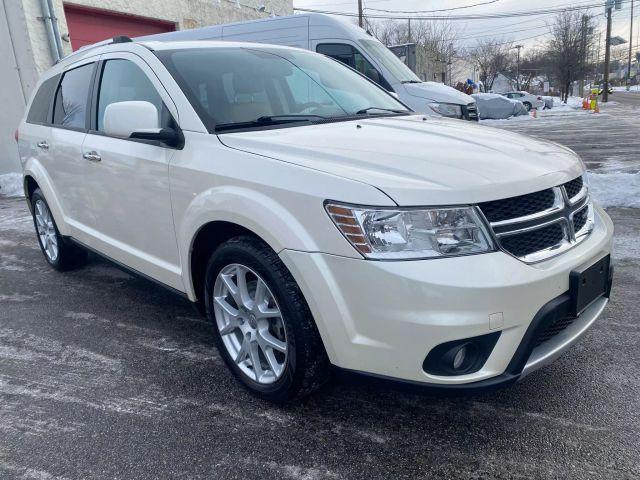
column 588, row 284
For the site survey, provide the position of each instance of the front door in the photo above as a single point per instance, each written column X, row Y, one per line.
column 128, row 179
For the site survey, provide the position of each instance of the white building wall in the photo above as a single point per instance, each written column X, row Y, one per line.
column 185, row 13
column 24, row 45
column 19, row 75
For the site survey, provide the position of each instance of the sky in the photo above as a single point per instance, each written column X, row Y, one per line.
column 519, row 29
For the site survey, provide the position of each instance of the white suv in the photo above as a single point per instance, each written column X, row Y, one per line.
column 315, row 220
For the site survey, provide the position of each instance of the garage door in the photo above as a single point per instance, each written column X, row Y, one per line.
column 90, row 25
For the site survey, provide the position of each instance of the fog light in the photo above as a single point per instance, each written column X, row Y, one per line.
column 460, row 357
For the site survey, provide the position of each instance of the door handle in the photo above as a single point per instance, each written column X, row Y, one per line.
column 43, row 145
column 92, row 156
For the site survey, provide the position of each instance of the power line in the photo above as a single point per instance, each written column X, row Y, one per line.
column 434, row 11
column 512, row 14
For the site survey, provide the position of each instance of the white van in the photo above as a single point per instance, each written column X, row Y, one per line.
column 347, row 43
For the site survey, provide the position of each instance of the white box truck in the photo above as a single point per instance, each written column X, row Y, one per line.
column 347, row 43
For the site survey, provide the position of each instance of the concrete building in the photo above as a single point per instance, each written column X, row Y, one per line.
column 28, row 44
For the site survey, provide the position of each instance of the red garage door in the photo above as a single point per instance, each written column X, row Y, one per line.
column 91, row 25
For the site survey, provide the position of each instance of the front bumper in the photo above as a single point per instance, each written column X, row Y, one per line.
column 382, row 318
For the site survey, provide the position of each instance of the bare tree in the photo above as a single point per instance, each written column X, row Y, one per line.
column 570, row 38
column 534, row 64
column 492, row 56
column 436, row 43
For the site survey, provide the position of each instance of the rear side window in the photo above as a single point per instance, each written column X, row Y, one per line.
column 70, row 109
column 39, row 111
column 122, row 81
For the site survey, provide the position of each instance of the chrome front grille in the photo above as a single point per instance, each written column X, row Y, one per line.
column 470, row 112
column 521, row 206
column 543, row 224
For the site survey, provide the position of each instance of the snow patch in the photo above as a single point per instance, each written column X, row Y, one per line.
column 572, row 103
column 615, row 189
column 634, row 88
column 11, row 185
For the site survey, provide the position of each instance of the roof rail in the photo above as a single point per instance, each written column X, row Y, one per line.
column 121, row 39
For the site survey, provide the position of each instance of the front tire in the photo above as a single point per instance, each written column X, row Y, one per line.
column 58, row 252
column 263, row 327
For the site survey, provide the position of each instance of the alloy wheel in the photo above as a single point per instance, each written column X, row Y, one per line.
column 250, row 323
column 46, row 230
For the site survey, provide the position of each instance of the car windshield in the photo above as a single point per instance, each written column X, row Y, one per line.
column 247, row 88
column 390, row 61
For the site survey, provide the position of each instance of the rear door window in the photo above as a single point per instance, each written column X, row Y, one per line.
column 42, row 101
column 70, row 108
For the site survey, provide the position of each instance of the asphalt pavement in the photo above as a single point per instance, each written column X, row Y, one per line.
column 104, row 375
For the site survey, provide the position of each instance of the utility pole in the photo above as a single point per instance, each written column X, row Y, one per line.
column 360, row 20
column 409, row 36
column 518, row 67
column 583, row 53
column 630, row 46
column 607, row 58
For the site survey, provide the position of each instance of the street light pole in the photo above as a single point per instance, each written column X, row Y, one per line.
column 518, row 67
column 630, row 46
column 607, row 58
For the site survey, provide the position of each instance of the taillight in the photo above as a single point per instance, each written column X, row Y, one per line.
column 16, row 135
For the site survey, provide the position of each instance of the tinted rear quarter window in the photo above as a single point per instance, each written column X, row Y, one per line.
column 72, row 97
column 39, row 111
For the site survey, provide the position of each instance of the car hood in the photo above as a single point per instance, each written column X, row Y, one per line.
column 419, row 160
column 437, row 92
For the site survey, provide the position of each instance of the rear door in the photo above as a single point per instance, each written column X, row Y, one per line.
column 64, row 162
column 127, row 179
column 35, row 134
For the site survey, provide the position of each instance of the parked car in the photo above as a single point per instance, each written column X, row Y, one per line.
column 315, row 220
column 601, row 89
column 496, row 107
column 528, row 100
column 345, row 42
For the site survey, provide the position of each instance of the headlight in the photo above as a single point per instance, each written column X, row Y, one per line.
column 412, row 233
column 447, row 109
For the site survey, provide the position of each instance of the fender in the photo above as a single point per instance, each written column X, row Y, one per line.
column 244, row 207
column 34, row 169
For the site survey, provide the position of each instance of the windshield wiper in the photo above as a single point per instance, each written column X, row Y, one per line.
column 268, row 120
column 365, row 111
column 411, row 81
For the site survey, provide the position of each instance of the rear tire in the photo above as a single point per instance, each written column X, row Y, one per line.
column 527, row 105
column 58, row 252
column 292, row 362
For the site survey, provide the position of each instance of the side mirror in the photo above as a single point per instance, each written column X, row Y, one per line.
column 168, row 136
column 121, row 119
column 137, row 119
